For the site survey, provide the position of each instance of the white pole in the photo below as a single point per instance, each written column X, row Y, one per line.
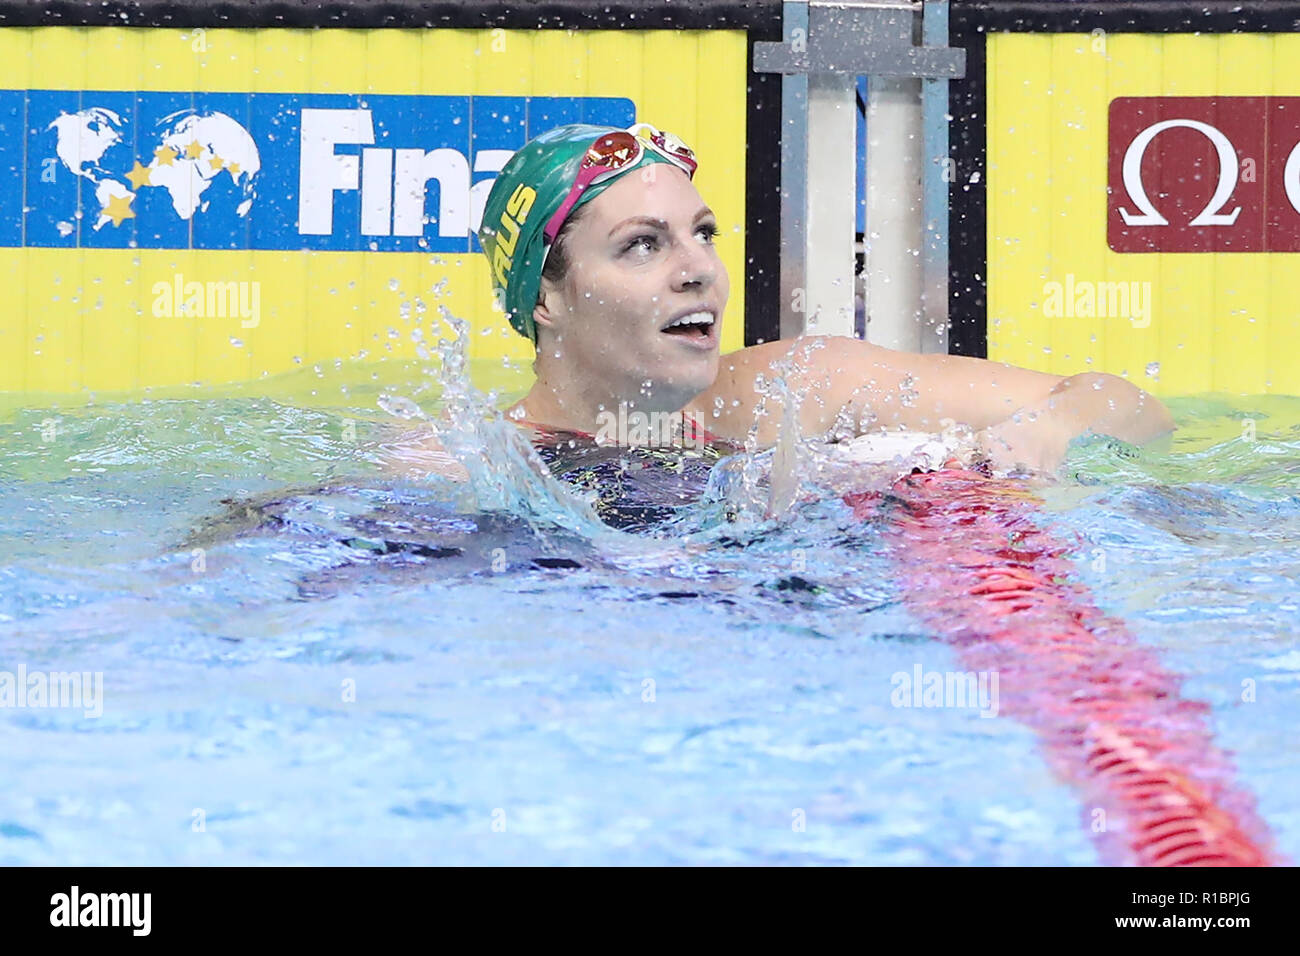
column 895, row 222
column 832, row 188
column 829, row 42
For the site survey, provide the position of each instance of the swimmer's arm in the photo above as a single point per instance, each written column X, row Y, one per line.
column 853, row 385
column 924, row 391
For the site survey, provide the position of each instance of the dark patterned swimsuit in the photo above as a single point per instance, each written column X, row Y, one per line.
column 636, row 487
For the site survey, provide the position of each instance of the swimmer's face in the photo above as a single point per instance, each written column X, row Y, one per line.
column 641, row 256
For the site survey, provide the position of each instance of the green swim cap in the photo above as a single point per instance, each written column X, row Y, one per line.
column 529, row 189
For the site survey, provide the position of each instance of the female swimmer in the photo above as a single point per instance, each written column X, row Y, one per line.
column 602, row 254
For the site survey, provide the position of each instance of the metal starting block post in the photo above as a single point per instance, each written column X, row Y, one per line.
column 827, row 46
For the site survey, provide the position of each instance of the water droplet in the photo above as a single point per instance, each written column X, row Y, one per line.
column 400, row 406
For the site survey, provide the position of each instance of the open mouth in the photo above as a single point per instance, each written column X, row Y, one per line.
column 697, row 325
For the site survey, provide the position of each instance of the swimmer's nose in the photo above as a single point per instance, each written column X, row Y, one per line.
column 697, row 266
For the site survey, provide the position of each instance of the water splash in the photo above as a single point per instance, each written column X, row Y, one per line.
column 504, row 473
column 849, row 458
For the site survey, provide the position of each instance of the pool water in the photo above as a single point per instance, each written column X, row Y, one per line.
column 306, row 659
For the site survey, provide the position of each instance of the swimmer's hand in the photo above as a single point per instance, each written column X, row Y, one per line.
column 1022, row 445
column 420, row 455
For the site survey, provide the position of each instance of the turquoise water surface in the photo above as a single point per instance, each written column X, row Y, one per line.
column 401, row 669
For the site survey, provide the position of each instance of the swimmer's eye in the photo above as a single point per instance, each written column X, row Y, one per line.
column 710, row 230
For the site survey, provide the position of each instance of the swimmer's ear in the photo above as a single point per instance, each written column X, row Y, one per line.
column 549, row 302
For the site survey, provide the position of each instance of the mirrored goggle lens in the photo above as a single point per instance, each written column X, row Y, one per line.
column 612, row 151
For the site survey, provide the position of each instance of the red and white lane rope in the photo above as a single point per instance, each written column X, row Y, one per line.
column 978, row 569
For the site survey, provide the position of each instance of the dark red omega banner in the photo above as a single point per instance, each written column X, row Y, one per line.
column 1204, row 174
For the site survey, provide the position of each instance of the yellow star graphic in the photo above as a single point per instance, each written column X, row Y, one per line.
column 119, row 208
column 165, row 155
column 234, row 170
column 194, row 150
column 139, row 176
column 216, row 162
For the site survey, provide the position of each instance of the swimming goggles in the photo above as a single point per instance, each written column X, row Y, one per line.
column 612, row 153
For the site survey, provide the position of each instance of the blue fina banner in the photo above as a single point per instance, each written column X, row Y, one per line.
column 188, row 170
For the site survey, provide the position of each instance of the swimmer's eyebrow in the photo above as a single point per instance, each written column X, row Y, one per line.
column 658, row 223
